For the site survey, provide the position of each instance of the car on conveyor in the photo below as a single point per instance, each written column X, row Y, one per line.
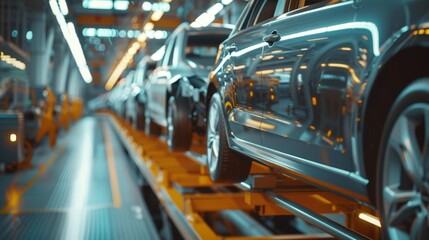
column 137, row 99
column 335, row 93
column 176, row 92
column 118, row 96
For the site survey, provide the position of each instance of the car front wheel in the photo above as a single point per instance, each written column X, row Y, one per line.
column 225, row 165
column 140, row 119
column 403, row 184
column 179, row 124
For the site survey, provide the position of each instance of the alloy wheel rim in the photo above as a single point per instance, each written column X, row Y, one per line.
column 406, row 175
column 213, row 140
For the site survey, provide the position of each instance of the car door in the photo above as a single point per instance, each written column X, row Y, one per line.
column 308, row 79
column 242, row 75
column 159, row 83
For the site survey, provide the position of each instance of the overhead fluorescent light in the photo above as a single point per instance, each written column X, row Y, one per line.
column 148, row 26
column 156, row 15
column 121, row 5
column 98, row 4
column 63, row 7
column 54, row 7
column 142, row 37
column 226, row 2
column 370, row 218
column 69, row 32
column 29, row 35
column 163, row 6
column 12, row 61
column 204, row 19
column 147, row 6
column 215, row 9
column 122, row 65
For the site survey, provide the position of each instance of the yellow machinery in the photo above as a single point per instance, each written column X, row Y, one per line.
column 47, row 118
column 76, row 110
column 64, row 113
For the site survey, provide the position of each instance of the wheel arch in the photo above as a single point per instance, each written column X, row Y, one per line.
column 397, row 73
column 211, row 89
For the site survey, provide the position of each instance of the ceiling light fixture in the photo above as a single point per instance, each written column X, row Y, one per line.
column 156, row 15
column 142, row 37
column 121, row 5
column 149, row 26
column 203, row 20
column 29, row 35
column 63, row 7
column 209, row 16
column 69, row 33
column 163, row 6
column 147, row 6
column 98, row 4
column 12, row 61
column 120, row 68
column 158, row 11
column 215, row 9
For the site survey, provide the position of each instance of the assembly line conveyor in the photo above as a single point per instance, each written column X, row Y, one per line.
column 201, row 209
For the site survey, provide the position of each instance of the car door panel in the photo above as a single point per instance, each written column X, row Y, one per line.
column 309, row 74
column 242, row 79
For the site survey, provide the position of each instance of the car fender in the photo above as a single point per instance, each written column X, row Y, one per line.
column 405, row 39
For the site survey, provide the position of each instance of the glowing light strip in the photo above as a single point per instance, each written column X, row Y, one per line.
column 63, row 7
column 369, row 218
column 12, row 61
column 69, row 33
column 122, row 65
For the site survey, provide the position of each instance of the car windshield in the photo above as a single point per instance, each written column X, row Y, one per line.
column 201, row 49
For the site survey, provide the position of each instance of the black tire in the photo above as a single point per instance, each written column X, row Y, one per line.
column 140, row 117
column 228, row 165
column 403, row 166
column 151, row 128
column 179, row 124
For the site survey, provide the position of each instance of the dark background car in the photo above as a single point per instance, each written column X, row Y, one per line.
column 350, row 81
column 119, row 95
column 178, row 83
column 137, row 98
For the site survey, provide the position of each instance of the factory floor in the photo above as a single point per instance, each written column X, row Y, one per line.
column 83, row 188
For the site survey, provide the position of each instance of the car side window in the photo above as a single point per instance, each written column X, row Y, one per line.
column 167, row 58
column 296, row 4
column 171, row 52
column 311, row 2
column 177, row 49
column 267, row 11
column 261, row 11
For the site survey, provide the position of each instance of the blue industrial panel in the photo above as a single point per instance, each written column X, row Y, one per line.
column 8, row 149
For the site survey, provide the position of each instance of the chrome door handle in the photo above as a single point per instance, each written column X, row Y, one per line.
column 272, row 38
